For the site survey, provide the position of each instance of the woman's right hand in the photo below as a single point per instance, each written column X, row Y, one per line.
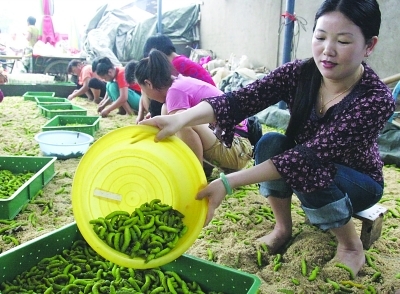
column 140, row 118
column 100, row 108
column 168, row 125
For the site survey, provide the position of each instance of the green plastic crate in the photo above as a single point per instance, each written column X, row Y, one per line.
column 85, row 124
column 51, row 100
column 30, row 96
column 210, row 276
column 44, row 172
column 52, row 110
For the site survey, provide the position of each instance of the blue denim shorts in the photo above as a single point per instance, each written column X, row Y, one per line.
column 331, row 207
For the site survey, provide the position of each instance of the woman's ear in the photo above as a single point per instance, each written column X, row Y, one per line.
column 371, row 45
column 148, row 84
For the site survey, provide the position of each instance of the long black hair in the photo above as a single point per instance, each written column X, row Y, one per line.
column 363, row 13
column 156, row 68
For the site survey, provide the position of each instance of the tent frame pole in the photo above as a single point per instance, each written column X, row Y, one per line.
column 159, row 17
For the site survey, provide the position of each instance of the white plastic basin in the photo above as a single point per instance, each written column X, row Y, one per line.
column 63, row 144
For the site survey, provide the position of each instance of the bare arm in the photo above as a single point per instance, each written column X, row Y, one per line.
column 28, row 36
column 106, row 100
column 81, row 91
column 262, row 172
column 145, row 101
column 216, row 191
column 123, row 97
column 169, row 124
column 141, row 111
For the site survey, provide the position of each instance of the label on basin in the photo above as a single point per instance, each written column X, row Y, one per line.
column 106, row 194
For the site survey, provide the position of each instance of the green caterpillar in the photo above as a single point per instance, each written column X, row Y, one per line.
column 81, row 270
column 149, row 232
column 9, row 182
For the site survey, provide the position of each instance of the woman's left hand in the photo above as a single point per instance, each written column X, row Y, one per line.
column 215, row 191
column 104, row 113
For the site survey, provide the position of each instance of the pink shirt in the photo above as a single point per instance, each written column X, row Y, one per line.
column 189, row 68
column 186, row 92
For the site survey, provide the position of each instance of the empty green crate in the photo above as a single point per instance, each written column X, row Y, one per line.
column 52, row 110
column 30, row 96
column 51, row 100
column 210, row 276
column 43, row 167
column 79, row 123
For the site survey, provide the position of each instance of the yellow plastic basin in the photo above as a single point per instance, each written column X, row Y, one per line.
column 126, row 168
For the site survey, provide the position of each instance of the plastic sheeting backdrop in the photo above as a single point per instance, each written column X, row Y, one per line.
column 115, row 34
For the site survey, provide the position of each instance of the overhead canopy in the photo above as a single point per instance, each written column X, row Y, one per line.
column 119, row 35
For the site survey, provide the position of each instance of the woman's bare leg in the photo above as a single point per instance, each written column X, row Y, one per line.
column 192, row 139
column 126, row 109
column 282, row 231
column 89, row 95
column 206, row 135
column 96, row 95
column 350, row 248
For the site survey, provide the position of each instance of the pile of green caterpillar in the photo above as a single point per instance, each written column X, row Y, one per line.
column 9, row 182
column 81, row 270
column 149, row 232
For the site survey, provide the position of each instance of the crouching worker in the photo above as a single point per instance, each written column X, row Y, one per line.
column 179, row 93
column 120, row 95
column 86, row 81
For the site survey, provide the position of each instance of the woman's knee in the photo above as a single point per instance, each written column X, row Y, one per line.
column 271, row 144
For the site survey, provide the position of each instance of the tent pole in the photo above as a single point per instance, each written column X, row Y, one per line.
column 288, row 37
column 159, row 17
